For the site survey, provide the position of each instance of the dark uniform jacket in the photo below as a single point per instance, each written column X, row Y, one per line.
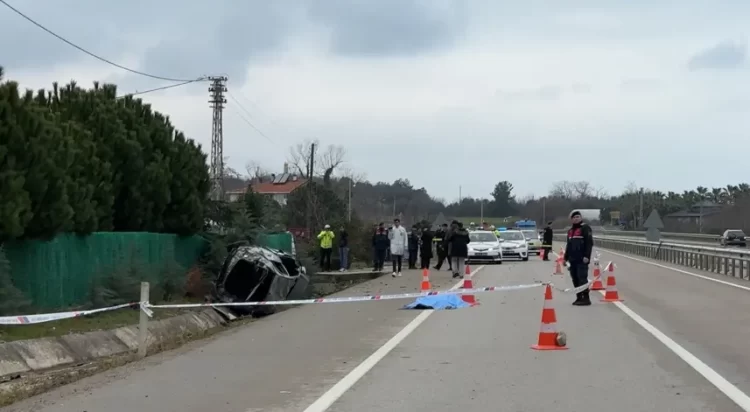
column 426, row 249
column 547, row 237
column 580, row 243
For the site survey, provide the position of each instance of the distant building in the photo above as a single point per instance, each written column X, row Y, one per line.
column 279, row 187
column 695, row 213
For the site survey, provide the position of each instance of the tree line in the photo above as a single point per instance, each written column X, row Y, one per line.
column 381, row 201
column 83, row 160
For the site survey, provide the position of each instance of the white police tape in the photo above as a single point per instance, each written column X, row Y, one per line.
column 348, row 299
column 49, row 317
column 147, row 307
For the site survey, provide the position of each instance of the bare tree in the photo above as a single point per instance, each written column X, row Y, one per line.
column 230, row 171
column 349, row 173
column 574, row 190
column 326, row 160
column 255, row 171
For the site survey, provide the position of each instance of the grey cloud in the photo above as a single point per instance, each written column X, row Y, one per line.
column 25, row 46
column 180, row 39
column 725, row 55
column 224, row 41
column 390, row 27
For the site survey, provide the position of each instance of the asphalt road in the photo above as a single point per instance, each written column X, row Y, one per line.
column 473, row 359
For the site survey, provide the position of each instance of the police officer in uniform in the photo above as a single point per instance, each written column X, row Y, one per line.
column 578, row 255
column 441, row 247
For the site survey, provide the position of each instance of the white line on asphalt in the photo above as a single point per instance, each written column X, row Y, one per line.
column 339, row 389
column 721, row 383
column 723, row 282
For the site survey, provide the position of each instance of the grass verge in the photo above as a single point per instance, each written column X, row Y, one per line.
column 100, row 321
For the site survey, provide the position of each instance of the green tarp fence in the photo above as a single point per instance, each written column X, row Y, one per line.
column 283, row 241
column 61, row 273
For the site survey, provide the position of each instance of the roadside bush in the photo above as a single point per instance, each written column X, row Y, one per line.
column 123, row 284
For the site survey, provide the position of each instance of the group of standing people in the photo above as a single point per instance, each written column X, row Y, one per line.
column 393, row 241
column 451, row 243
column 326, row 237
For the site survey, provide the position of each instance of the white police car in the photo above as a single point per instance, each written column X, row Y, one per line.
column 484, row 247
column 513, row 244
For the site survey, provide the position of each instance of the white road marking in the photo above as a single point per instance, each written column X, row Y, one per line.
column 339, row 389
column 722, row 384
column 723, row 282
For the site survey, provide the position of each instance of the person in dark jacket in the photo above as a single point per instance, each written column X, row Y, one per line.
column 440, row 247
column 458, row 246
column 425, row 248
column 578, row 255
column 547, row 240
column 381, row 244
column 343, row 249
column 374, row 252
column 414, row 237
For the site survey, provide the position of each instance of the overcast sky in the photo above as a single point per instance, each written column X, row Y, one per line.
column 446, row 93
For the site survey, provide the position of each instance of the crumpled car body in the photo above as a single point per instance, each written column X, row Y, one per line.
column 256, row 273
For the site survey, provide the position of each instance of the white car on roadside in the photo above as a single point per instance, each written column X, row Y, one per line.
column 513, row 244
column 484, row 247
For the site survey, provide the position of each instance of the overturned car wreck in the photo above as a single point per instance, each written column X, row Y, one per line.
column 256, row 273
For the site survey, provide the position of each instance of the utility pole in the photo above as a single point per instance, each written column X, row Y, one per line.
column 640, row 212
column 481, row 211
column 459, row 195
column 544, row 210
column 350, row 200
column 311, row 163
column 310, row 187
column 217, row 89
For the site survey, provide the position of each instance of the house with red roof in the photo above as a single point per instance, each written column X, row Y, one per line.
column 279, row 187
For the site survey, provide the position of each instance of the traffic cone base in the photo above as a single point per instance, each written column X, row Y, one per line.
column 611, row 295
column 547, row 339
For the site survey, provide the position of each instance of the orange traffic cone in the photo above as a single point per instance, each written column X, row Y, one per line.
column 558, row 267
column 468, row 284
column 549, row 339
column 611, row 294
column 425, row 280
column 597, row 284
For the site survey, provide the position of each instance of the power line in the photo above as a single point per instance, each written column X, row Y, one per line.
column 249, row 123
column 32, row 21
column 171, row 86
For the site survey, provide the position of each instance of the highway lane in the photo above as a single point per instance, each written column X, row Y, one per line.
column 479, row 359
column 280, row 363
column 709, row 319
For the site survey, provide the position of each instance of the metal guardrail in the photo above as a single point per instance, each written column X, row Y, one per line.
column 723, row 261
column 697, row 237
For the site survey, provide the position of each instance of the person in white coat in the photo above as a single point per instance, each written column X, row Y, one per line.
column 399, row 242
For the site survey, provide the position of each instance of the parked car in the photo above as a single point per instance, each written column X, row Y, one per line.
column 484, row 246
column 533, row 241
column 513, row 243
column 733, row 237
